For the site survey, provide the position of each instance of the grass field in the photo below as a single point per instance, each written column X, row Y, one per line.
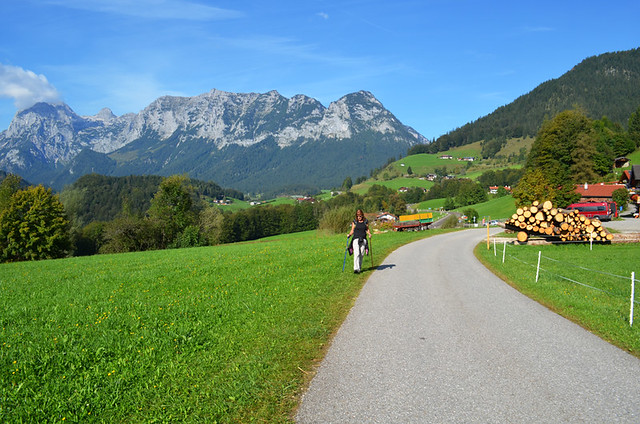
column 394, row 184
column 499, row 208
column 635, row 158
column 223, row 334
column 589, row 287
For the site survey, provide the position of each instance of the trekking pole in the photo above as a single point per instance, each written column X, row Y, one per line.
column 370, row 252
column 346, row 249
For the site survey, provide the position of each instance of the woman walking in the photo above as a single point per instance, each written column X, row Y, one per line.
column 359, row 230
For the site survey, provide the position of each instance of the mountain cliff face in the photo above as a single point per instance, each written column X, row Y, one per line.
column 252, row 142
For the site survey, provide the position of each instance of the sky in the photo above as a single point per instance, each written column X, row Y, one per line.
column 435, row 64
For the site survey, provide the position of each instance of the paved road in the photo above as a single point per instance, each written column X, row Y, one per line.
column 625, row 225
column 436, row 338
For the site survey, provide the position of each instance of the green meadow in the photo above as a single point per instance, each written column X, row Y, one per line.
column 221, row 334
column 589, row 287
column 498, row 208
column 393, row 184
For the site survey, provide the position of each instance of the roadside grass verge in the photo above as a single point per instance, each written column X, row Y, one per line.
column 224, row 334
column 597, row 298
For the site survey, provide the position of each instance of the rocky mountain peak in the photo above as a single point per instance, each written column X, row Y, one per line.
column 173, row 127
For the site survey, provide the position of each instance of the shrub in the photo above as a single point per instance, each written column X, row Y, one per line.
column 450, row 222
column 337, row 220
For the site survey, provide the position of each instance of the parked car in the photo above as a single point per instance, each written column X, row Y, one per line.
column 604, row 211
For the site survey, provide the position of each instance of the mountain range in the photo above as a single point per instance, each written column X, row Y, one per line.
column 252, row 142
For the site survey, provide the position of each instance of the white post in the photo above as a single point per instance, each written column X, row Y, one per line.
column 504, row 250
column 538, row 269
column 591, row 241
column 633, row 289
column 494, row 247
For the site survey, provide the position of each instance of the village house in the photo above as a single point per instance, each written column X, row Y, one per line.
column 468, row 159
column 634, row 177
column 621, row 162
column 597, row 192
column 305, row 199
column 446, row 157
column 494, row 189
column 386, row 217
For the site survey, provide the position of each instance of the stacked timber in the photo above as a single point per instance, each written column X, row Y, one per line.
column 543, row 219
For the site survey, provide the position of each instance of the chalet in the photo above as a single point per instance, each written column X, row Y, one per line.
column 403, row 189
column 431, row 177
column 494, row 189
column 597, row 192
column 446, row 157
column 621, row 162
column 305, row 199
column 467, row 159
column 386, row 217
column 625, row 178
column 634, row 177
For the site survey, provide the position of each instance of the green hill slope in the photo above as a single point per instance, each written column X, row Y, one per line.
column 604, row 85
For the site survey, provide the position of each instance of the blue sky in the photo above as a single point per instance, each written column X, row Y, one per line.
column 435, row 64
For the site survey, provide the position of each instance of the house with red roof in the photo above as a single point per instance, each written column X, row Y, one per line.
column 600, row 192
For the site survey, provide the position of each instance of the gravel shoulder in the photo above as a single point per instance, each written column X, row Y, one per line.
column 435, row 337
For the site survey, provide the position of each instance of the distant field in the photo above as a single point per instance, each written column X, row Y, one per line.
column 514, row 145
column 241, row 204
column 635, row 157
column 431, row 204
column 500, row 208
column 224, row 334
column 425, row 163
column 394, row 184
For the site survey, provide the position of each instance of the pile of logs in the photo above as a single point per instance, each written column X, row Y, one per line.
column 559, row 224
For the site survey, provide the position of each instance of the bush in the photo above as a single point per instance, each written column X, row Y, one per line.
column 472, row 215
column 337, row 220
column 190, row 237
column 621, row 197
column 450, row 222
column 33, row 226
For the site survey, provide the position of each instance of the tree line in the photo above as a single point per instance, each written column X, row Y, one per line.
column 36, row 223
column 573, row 149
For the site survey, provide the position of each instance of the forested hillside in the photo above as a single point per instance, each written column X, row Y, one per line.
column 96, row 197
column 605, row 85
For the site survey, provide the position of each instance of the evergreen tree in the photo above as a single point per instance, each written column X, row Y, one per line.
column 34, row 226
column 582, row 156
column 634, row 127
column 347, row 184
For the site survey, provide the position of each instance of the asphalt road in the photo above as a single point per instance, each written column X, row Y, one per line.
column 436, row 338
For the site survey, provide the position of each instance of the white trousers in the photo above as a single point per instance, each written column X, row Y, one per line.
column 358, row 253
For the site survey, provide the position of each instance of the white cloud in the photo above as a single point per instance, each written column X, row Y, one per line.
column 323, row 15
column 25, row 87
column 152, row 9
